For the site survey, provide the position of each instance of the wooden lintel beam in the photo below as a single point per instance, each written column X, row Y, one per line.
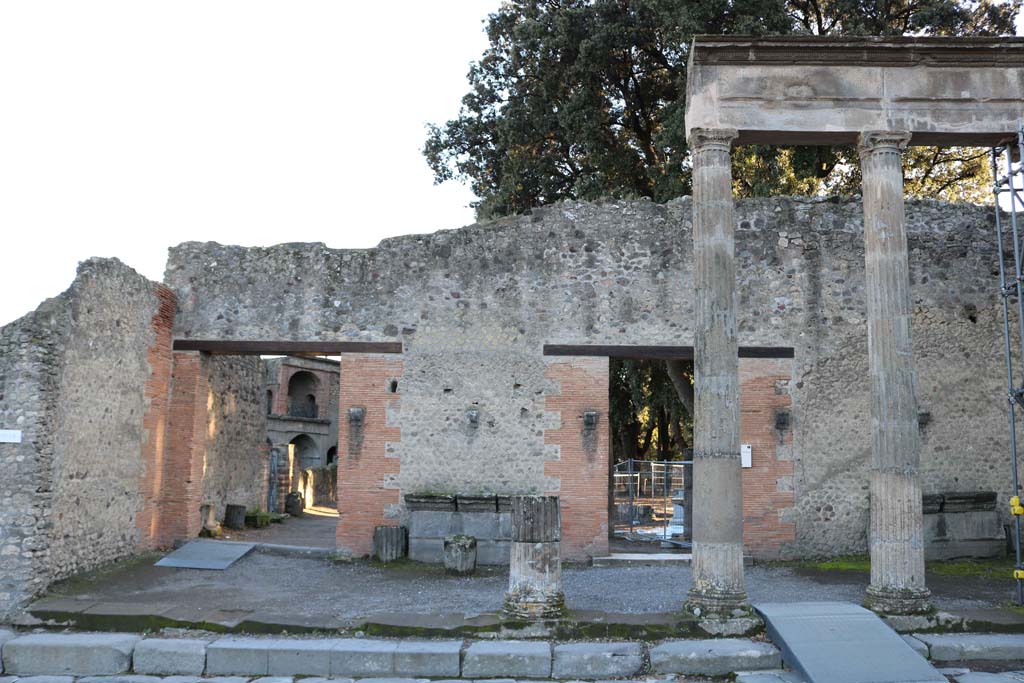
column 285, row 348
column 657, row 352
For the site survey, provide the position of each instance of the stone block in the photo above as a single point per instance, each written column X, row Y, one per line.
column 916, row 645
column 718, row 657
column 81, row 654
column 593, row 660
column 434, row 524
column 46, row 679
column 170, row 656
column 481, row 525
column 428, row 658
column 426, row 550
column 5, row 635
column 122, row 678
column 358, row 657
column 476, row 504
column 234, row 655
column 287, row 657
column 778, row 676
column 493, row 552
column 959, row 647
column 417, row 502
column 518, row 658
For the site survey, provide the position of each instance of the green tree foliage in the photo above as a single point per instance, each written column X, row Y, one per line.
column 648, row 420
column 577, row 99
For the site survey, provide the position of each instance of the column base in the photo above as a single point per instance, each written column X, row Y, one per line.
column 552, row 606
column 718, row 604
column 898, row 600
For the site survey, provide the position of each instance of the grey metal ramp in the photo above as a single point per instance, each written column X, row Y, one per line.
column 202, row 554
column 839, row 642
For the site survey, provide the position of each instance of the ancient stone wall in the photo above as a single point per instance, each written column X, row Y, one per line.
column 236, row 434
column 76, row 377
column 474, row 306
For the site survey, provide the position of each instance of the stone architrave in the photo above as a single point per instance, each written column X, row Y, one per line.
column 895, row 536
column 718, row 589
column 535, row 566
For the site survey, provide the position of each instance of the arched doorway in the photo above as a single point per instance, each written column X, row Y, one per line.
column 302, row 390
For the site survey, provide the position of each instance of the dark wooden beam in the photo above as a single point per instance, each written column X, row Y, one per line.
column 656, row 352
column 285, row 348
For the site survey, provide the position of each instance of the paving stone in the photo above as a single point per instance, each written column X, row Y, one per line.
column 235, row 655
column 227, row 679
column 589, row 660
column 273, row 679
column 359, row 657
column 428, row 658
column 8, row 679
column 957, row 647
column 519, row 658
column 46, row 679
column 918, row 646
column 318, row 679
column 186, row 679
column 175, row 656
column 979, row 677
column 289, row 657
column 717, row 657
column 125, row 678
column 83, row 654
column 393, row 680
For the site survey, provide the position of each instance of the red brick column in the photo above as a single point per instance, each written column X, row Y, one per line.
column 185, row 443
column 366, row 472
column 768, row 483
column 154, row 422
column 582, row 465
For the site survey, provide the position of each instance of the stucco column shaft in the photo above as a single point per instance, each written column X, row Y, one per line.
column 895, row 536
column 717, row 488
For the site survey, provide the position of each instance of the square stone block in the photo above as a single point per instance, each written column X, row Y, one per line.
column 434, row 523
column 234, row 655
column 718, row 657
column 499, row 658
column 170, row 656
column 481, row 525
column 287, row 657
column 428, row 658
column 493, row 552
column 359, row 657
column 597, row 660
column 426, row 550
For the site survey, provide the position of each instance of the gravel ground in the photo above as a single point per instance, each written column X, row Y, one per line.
column 311, row 587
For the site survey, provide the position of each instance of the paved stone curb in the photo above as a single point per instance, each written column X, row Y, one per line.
column 69, row 653
column 960, row 647
column 714, row 657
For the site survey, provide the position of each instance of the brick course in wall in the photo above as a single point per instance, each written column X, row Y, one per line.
column 769, row 529
column 581, row 469
column 368, row 494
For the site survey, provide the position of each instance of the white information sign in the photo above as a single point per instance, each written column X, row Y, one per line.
column 746, row 460
column 10, row 436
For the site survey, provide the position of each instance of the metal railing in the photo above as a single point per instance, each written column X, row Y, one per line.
column 651, row 500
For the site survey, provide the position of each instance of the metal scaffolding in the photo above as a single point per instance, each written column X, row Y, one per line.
column 1009, row 182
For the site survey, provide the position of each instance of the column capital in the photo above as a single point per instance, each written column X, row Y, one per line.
column 701, row 139
column 875, row 141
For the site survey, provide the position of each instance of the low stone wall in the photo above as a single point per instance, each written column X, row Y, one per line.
column 962, row 524
column 487, row 519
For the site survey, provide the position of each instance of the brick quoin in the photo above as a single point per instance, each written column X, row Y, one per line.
column 154, row 422
column 367, row 484
column 768, row 484
column 185, row 445
column 582, row 472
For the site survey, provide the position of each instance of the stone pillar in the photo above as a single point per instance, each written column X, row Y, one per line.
column 895, row 536
column 717, row 590
column 535, row 566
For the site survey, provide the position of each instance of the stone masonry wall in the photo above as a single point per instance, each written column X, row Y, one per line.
column 474, row 306
column 236, row 454
column 78, row 378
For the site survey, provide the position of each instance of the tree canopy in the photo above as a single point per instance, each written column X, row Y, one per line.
column 578, row 99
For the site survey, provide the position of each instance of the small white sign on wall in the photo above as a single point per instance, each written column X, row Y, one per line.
column 746, row 459
column 10, row 436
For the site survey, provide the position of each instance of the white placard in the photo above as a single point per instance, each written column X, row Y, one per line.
column 10, row 436
column 746, row 460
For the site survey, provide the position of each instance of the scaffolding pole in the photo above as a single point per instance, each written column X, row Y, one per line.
column 1014, row 393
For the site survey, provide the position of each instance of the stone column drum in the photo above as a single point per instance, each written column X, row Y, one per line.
column 717, row 590
column 535, row 567
column 895, row 536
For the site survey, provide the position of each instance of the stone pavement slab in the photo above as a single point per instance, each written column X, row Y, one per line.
column 205, row 554
column 595, row 660
column 827, row 642
column 69, row 653
column 519, row 658
column 358, row 657
column 716, row 657
column 980, row 677
column 779, row 676
column 170, row 656
column 237, row 655
column 959, row 647
column 294, row 657
column 428, row 658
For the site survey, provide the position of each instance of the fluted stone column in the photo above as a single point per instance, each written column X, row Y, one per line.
column 895, row 536
column 718, row 498
column 535, row 564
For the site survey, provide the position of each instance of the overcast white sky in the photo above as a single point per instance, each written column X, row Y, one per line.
column 128, row 126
